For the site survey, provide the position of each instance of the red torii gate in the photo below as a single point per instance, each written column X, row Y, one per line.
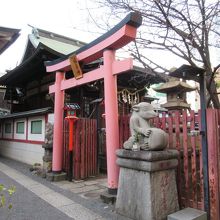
column 104, row 46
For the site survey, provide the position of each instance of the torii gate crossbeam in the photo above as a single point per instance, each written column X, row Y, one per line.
column 105, row 46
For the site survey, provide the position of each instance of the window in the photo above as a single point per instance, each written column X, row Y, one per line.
column 20, row 127
column 7, row 128
column 36, row 127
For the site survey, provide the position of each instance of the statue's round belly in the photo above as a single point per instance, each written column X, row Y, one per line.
column 157, row 140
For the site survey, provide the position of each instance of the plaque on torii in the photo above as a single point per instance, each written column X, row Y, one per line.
column 104, row 46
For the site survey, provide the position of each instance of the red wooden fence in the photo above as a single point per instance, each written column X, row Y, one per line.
column 85, row 148
column 189, row 170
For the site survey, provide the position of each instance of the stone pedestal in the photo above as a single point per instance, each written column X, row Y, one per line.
column 147, row 184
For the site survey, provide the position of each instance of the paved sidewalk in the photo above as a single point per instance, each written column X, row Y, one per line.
column 75, row 200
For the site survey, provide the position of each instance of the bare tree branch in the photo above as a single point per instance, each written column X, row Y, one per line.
column 185, row 28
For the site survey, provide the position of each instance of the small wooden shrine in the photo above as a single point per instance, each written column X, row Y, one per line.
column 176, row 94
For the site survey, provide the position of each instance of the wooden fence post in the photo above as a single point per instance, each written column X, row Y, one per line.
column 213, row 160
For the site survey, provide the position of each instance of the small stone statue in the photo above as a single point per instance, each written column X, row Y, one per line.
column 143, row 136
column 48, row 147
column 49, row 134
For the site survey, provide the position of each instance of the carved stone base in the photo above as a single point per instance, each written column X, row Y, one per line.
column 147, row 184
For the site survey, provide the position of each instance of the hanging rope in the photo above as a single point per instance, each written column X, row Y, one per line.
column 129, row 97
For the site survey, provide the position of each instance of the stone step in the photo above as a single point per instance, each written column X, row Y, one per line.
column 188, row 214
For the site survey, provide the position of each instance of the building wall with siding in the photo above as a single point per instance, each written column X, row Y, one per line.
column 25, row 147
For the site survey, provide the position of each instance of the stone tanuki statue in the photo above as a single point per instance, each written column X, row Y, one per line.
column 143, row 136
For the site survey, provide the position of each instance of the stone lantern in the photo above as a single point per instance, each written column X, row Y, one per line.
column 176, row 94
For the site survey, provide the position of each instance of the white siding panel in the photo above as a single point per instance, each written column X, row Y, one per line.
column 24, row 152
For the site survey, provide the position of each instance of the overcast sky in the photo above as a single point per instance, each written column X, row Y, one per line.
column 66, row 17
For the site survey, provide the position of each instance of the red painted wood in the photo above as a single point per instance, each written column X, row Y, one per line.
column 178, row 147
column 71, row 141
column 218, row 113
column 170, row 131
column 92, row 150
column 88, row 134
column 193, row 161
column 64, row 145
column 96, row 148
column 213, row 140
column 185, row 156
column 190, row 189
column 119, row 39
column 86, row 148
column 126, row 129
column 121, row 139
column 89, row 148
column 156, row 122
column 201, row 182
column 82, row 165
column 163, row 122
column 77, row 150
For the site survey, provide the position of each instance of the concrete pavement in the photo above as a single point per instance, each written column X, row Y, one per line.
column 56, row 200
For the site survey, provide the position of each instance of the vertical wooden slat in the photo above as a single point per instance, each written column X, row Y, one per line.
column 213, row 140
column 156, row 122
column 77, row 149
column 170, row 130
column 93, row 148
column 83, row 150
column 89, row 148
column 126, row 128
column 75, row 156
column 86, row 148
column 163, row 121
column 218, row 114
column 201, row 164
column 185, row 157
column 96, row 143
column 121, row 131
column 66, row 146
column 96, row 149
column 178, row 147
column 193, row 161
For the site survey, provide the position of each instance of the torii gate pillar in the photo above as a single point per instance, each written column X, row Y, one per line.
column 111, row 120
column 58, row 124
